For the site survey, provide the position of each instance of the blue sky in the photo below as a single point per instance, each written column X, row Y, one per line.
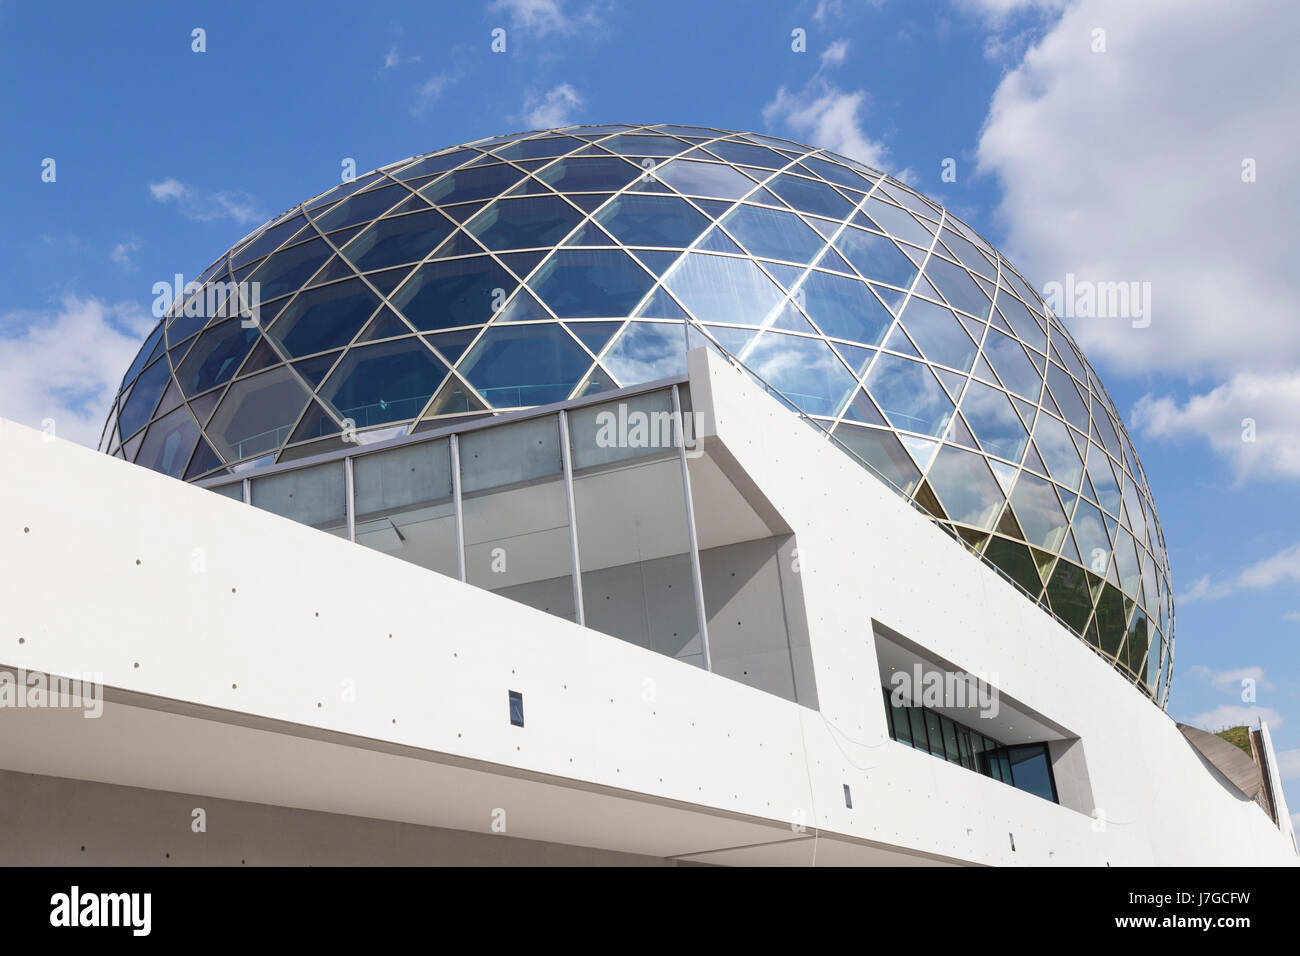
column 1117, row 164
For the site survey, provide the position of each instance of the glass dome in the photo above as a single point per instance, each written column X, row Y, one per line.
column 527, row 269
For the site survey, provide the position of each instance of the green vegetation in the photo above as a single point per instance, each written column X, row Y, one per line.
column 1238, row 737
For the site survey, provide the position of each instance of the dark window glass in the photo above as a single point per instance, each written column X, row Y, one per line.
column 594, row 283
column 772, row 234
column 883, row 452
column 398, row 240
column 634, row 144
column 875, row 257
column 1031, row 770
column 469, row 184
column 287, row 270
column 524, row 223
column 140, row 403
column 446, row 294
column 838, row 174
column 268, row 241
column 388, row 382
column 325, row 318
column 216, row 356
column 143, row 355
column 257, row 414
column 652, row 221
column 361, row 208
column 168, row 444
column 705, row 179
column 520, row 365
column 916, row 720
column 808, row 196
column 537, row 148
column 843, row 308
column 747, row 155
column 436, row 164
column 589, row 174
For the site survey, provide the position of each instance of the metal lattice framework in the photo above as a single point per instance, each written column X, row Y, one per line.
column 531, row 268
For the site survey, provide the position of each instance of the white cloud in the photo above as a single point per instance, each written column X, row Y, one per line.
column 1228, row 715
column 207, row 207
column 1232, row 681
column 836, row 53
column 1221, row 417
column 1288, row 764
column 1127, row 165
column 554, row 108
column 429, row 92
column 998, row 10
column 121, row 253
column 1280, row 568
column 1293, row 616
column 543, row 17
column 828, row 8
column 66, row 364
column 393, row 59
column 825, row 116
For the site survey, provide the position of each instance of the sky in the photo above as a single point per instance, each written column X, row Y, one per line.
column 1149, row 142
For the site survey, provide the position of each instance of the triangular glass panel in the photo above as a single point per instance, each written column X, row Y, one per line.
column 824, row 228
column 791, row 319
column 762, row 195
column 857, row 356
column 1070, row 550
column 1044, row 562
column 975, row 539
column 457, row 244
column 892, row 298
column 522, row 263
column 732, row 340
column 921, row 449
column 388, row 280
column 1068, row 498
column 262, row 356
column 203, row 405
column 714, row 208
column 1033, row 461
column 314, row 369
column 984, row 372
column 834, row 261
column 1027, row 410
column 204, row 460
column 959, row 434
column 916, row 255
column 786, row 275
column 336, row 268
column 974, row 326
column 1004, row 473
column 1009, row 526
column 594, row 335
column 522, row 307
column 385, row 325
column 953, row 382
column 923, row 287
column 171, row 398
column 1000, row 323
column 452, row 345
column 590, row 234
column 866, row 222
column 454, row 398
column 716, row 241
column 657, row 260
column 862, row 409
column 598, row 381
column 315, row 423
column 899, row 342
column 464, row 211
column 415, row 203
column 926, row 498
column 660, row 305
column 588, row 202
column 344, row 236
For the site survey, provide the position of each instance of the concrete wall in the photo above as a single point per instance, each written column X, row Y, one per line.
column 269, row 663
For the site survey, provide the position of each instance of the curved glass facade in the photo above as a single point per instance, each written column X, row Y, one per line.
column 528, row 269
